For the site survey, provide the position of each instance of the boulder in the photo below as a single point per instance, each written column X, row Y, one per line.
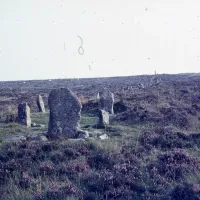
column 65, row 113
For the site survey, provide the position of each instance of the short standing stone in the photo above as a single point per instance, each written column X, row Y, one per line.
column 40, row 104
column 65, row 112
column 24, row 114
column 103, row 119
column 106, row 101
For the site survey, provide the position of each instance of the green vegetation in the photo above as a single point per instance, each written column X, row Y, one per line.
column 137, row 162
column 40, row 118
column 12, row 129
column 152, row 152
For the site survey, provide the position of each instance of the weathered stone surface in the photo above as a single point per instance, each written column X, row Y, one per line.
column 106, row 101
column 24, row 114
column 103, row 119
column 40, row 104
column 65, row 112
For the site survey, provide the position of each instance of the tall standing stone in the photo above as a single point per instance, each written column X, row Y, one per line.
column 106, row 101
column 65, row 112
column 24, row 114
column 103, row 119
column 40, row 104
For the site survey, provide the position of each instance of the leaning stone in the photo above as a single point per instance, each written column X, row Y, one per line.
column 40, row 104
column 106, row 101
column 103, row 119
column 65, row 113
column 24, row 114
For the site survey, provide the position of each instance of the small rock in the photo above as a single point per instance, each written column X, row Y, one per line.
column 41, row 125
column 43, row 138
column 83, row 134
column 76, row 140
column 91, row 138
column 32, row 136
column 97, row 133
column 102, row 137
column 33, row 125
column 14, row 138
column 37, row 125
column 86, row 126
column 37, row 137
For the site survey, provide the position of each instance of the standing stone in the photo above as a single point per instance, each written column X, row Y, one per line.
column 65, row 112
column 40, row 104
column 106, row 101
column 103, row 119
column 24, row 114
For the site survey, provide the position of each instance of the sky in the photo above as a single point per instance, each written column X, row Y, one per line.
column 47, row 39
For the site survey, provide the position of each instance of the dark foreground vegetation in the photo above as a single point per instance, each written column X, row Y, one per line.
column 153, row 150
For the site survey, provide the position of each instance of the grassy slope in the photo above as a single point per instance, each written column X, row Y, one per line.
column 124, row 167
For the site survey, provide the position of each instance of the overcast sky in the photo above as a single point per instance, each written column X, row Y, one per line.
column 39, row 38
